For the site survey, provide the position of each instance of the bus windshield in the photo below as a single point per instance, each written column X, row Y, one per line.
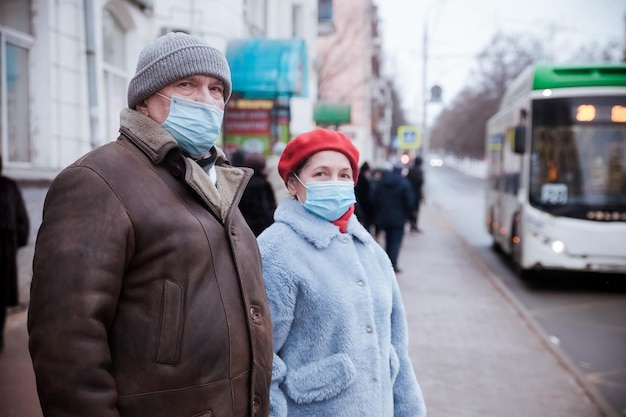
column 578, row 158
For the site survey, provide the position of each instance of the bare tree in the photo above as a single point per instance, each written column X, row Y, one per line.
column 337, row 54
column 460, row 129
column 599, row 53
column 398, row 115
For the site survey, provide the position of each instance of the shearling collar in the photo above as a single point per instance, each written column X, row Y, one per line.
column 156, row 142
column 315, row 229
column 147, row 134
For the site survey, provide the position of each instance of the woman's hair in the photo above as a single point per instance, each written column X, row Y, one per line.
column 300, row 166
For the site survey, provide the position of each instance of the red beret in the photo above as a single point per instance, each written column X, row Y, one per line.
column 306, row 144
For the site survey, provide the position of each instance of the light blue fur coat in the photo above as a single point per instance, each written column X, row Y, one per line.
column 340, row 334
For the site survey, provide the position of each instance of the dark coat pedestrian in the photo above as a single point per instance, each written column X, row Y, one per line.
column 364, row 208
column 415, row 175
column 393, row 200
column 258, row 202
column 14, row 227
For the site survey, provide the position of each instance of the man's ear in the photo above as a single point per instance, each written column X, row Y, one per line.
column 142, row 108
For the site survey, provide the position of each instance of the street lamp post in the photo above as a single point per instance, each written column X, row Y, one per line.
column 425, row 138
column 425, row 93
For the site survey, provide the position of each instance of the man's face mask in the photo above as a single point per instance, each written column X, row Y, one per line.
column 195, row 125
column 328, row 199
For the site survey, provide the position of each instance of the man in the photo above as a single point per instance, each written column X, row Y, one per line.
column 14, row 228
column 393, row 200
column 147, row 296
column 416, row 178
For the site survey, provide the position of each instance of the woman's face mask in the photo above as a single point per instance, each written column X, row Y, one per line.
column 328, row 199
column 194, row 125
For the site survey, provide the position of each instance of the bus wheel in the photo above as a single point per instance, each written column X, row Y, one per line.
column 495, row 246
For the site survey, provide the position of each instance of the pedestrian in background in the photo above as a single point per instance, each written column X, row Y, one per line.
column 14, row 228
column 271, row 169
column 415, row 175
column 147, row 296
column 237, row 157
column 363, row 191
column 376, row 175
column 257, row 203
column 394, row 201
column 340, row 331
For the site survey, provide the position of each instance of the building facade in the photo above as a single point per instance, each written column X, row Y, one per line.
column 348, row 66
column 65, row 66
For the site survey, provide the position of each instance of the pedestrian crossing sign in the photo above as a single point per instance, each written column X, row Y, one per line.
column 409, row 137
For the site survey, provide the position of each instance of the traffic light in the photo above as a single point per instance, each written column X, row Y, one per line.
column 435, row 94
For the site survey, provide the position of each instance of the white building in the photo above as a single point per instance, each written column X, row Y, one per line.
column 65, row 66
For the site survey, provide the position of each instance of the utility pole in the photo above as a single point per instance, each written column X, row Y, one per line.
column 424, row 93
column 624, row 53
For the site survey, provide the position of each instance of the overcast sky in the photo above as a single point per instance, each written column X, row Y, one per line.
column 459, row 29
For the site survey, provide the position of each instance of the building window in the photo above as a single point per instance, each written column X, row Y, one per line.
column 15, row 14
column 114, row 66
column 15, row 44
column 297, row 21
column 324, row 11
column 325, row 25
column 255, row 12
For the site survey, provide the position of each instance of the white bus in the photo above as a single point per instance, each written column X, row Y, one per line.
column 556, row 158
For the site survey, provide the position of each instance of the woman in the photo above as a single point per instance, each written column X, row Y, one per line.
column 340, row 335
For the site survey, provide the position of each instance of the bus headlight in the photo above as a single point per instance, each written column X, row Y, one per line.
column 558, row 246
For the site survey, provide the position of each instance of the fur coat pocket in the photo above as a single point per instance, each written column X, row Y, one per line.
column 394, row 365
column 320, row 380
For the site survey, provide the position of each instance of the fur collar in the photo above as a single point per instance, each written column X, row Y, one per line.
column 315, row 229
column 156, row 142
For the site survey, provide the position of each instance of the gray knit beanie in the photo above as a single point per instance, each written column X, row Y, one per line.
column 172, row 57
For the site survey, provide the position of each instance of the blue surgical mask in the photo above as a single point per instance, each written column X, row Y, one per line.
column 328, row 199
column 195, row 125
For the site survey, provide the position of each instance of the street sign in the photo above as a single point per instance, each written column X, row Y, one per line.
column 409, row 137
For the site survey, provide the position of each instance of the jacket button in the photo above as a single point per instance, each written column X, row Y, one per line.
column 369, row 329
column 176, row 171
column 360, row 283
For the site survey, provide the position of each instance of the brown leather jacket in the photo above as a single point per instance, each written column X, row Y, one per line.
column 147, row 297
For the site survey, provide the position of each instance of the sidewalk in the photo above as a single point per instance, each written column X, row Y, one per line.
column 475, row 352
column 18, row 395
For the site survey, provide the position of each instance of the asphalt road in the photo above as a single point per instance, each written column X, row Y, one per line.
column 584, row 314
